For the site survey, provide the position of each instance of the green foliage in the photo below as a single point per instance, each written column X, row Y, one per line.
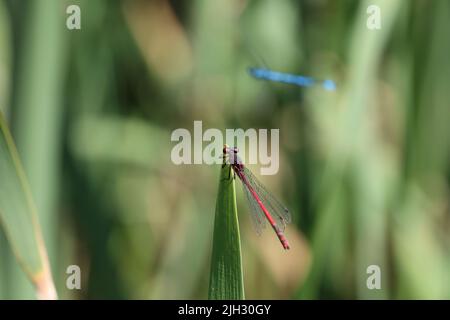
column 364, row 170
column 226, row 280
column 19, row 219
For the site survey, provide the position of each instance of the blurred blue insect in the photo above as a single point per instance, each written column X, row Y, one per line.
column 266, row 74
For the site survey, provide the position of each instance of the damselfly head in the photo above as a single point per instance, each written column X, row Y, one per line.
column 228, row 149
column 225, row 148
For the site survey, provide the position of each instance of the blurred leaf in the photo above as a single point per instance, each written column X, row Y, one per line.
column 5, row 57
column 420, row 258
column 37, row 113
column 226, row 280
column 19, row 219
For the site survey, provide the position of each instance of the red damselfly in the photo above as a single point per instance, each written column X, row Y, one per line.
column 263, row 204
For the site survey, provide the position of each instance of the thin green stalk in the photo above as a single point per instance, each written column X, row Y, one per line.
column 18, row 218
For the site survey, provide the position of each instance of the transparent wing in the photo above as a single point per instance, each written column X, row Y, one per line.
column 257, row 215
column 279, row 212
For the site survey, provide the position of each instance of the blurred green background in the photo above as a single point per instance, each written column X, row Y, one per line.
column 365, row 169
